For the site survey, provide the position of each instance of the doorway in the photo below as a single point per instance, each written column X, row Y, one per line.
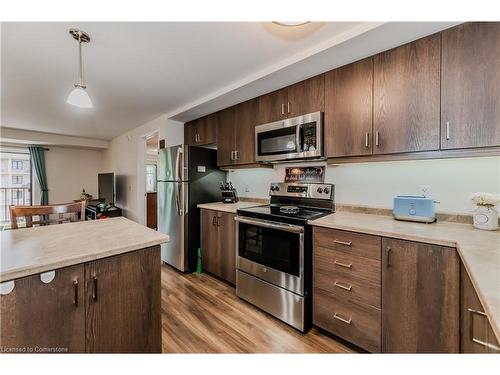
column 150, row 170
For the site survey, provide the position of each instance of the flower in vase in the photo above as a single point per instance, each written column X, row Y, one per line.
column 485, row 199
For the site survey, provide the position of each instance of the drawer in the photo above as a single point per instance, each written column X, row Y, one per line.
column 346, row 265
column 348, row 287
column 358, row 324
column 364, row 245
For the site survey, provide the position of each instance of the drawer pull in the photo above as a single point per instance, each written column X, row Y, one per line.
column 341, row 286
column 471, row 333
column 94, row 290
column 343, row 242
column 342, row 264
column 338, row 317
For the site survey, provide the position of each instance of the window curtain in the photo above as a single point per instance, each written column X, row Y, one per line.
column 38, row 157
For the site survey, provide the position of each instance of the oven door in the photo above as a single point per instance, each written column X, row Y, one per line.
column 271, row 251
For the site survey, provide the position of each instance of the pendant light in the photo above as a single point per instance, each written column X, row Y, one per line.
column 290, row 23
column 79, row 96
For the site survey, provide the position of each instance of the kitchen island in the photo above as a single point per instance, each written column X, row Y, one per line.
column 90, row 286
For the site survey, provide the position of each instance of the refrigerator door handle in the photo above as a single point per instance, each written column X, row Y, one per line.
column 186, row 201
column 177, row 198
column 177, row 164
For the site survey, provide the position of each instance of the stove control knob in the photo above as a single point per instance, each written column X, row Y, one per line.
column 272, row 188
column 320, row 190
column 277, row 188
column 326, row 191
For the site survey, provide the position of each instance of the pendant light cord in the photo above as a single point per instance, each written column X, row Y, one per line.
column 80, row 65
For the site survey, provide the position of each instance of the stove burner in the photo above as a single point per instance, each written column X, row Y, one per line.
column 289, row 209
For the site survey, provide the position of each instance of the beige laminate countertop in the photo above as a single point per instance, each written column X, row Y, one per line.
column 229, row 207
column 479, row 250
column 30, row 251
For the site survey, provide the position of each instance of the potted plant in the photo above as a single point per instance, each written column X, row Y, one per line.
column 485, row 216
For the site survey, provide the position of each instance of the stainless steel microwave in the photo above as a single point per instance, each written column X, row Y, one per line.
column 293, row 138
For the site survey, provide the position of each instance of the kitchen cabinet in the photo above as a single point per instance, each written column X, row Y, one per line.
column 225, row 137
column 476, row 334
column 406, row 97
column 39, row 315
column 218, row 252
column 470, row 88
column 348, row 110
column 420, row 298
column 271, row 107
column 123, row 303
column 201, row 131
column 306, row 96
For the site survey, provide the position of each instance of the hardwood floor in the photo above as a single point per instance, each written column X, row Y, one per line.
column 201, row 314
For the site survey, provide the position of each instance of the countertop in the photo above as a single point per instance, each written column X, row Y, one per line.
column 29, row 251
column 229, row 207
column 478, row 249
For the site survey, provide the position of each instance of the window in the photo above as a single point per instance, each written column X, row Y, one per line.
column 150, row 177
column 17, row 164
column 17, row 180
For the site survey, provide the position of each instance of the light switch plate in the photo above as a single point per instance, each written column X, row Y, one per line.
column 201, row 168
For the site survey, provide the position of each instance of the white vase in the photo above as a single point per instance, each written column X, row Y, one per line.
column 485, row 218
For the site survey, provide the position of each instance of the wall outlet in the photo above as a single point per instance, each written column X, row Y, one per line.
column 425, row 190
column 247, row 188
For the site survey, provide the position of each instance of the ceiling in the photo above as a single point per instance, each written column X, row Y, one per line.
column 137, row 71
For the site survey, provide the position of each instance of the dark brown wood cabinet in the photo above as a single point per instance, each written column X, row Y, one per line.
column 476, row 333
column 226, row 136
column 37, row 316
column 348, row 110
column 218, row 252
column 420, row 298
column 201, row 131
column 406, row 97
column 271, row 107
column 123, row 303
column 306, row 96
column 470, row 88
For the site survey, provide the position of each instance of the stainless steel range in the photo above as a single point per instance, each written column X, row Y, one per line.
column 274, row 242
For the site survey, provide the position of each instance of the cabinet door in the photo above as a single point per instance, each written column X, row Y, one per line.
column 225, row 137
column 471, row 86
column 348, row 109
column 420, row 298
column 245, row 120
column 210, row 130
column 123, row 313
column 406, row 112
column 190, row 133
column 476, row 334
column 306, row 96
column 209, row 241
column 227, row 246
column 271, row 107
column 42, row 315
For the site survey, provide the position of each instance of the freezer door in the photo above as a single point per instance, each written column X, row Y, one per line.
column 172, row 221
column 172, row 164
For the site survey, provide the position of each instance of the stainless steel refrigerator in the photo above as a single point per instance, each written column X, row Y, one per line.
column 187, row 176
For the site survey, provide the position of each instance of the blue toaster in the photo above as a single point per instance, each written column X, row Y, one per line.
column 414, row 208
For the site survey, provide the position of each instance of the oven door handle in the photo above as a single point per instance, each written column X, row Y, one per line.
column 271, row 224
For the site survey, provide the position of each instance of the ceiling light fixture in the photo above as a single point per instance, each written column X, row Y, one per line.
column 79, row 96
column 290, row 24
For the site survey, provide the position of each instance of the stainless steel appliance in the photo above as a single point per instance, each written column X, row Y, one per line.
column 187, row 176
column 294, row 138
column 274, row 245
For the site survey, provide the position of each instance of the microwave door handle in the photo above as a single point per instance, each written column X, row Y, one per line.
column 298, row 128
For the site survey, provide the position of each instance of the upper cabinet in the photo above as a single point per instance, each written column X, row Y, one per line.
column 348, row 109
column 406, row 112
column 271, row 107
column 470, row 90
column 225, row 136
column 201, row 131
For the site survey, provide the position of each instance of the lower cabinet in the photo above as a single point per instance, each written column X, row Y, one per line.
column 111, row 305
column 218, row 251
column 476, row 335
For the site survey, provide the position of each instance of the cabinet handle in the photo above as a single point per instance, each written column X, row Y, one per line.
column 343, row 242
column 389, row 252
column 94, row 289
column 288, row 107
column 75, row 292
column 377, row 138
column 367, row 139
column 232, row 155
column 218, row 221
column 341, row 286
column 214, row 220
column 473, row 312
column 236, row 155
column 283, row 109
column 338, row 317
column 447, row 130
column 345, row 265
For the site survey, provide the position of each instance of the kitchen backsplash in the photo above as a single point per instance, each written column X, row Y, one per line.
column 450, row 181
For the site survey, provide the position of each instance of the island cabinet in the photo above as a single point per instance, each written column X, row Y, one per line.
column 476, row 335
column 218, row 252
column 470, row 86
column 201, row 131
column 420, row 298
column 110, row 305
column 406, row 97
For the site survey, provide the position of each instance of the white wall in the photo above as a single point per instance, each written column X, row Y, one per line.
column 69, row 170
column 126, row 158
column 375, row 184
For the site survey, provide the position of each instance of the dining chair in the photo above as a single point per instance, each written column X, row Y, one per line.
column 43, row 213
